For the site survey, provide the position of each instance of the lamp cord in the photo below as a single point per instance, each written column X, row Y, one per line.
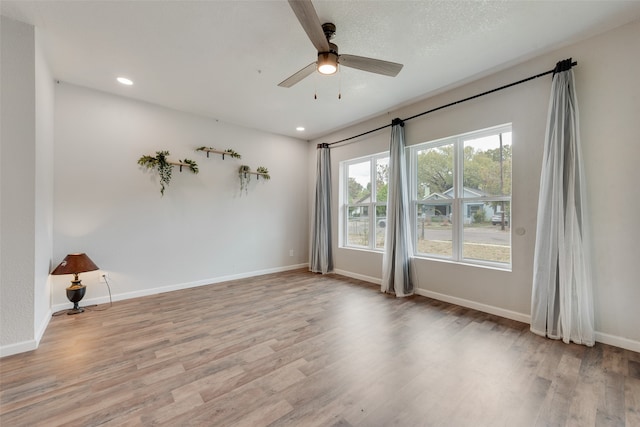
column 104, row 276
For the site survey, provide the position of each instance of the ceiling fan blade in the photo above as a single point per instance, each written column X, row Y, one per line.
column 371, row 65
column 306, row 71
column 306, row 14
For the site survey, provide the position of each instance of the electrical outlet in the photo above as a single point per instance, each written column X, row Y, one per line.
column 290, row 252
column 104, row 276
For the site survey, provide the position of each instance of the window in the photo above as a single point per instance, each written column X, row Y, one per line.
column 365, row 205
column 461, row 192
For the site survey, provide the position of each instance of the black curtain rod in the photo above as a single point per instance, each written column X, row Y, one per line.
column 563, row 65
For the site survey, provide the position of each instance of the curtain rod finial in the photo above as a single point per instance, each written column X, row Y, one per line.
column 564, row 65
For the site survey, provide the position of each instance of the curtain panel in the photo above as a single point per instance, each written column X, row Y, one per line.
column 398, row 248
column 562, row 302
column 321, row 257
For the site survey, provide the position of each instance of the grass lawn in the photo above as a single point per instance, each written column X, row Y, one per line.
column 443, row 247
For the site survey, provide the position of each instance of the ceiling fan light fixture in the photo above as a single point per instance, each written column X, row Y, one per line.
column 327, row 63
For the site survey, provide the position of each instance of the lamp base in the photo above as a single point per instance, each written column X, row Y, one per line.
column 75, row 293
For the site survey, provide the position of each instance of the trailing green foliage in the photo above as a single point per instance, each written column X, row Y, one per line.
column 159, row 162
column 164, row 168
column 232, row 153
column 193, row 166
column 264, row 172
column 245, row 177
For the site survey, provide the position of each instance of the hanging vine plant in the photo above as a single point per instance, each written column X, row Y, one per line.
column 245, row 178
column 164, row 167
column 245, row 172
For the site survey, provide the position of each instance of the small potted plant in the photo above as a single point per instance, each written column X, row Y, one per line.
column 263, row 172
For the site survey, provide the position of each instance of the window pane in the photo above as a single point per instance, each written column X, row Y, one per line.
column 435, row 173
column 359, row 175
column 486, row 232
column 434, row 234
column 382, row 179
column 487, row 166
column 381, row 225
column 358, row 226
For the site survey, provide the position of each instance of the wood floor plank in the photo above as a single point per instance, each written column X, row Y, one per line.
column 301, row 349
column 632, row 401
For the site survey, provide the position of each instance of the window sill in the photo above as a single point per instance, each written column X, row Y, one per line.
column 362, row 249
column 496, row 267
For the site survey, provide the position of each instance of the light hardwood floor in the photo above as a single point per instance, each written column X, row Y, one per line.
column 299, row 349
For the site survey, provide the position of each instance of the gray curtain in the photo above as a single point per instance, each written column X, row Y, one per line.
column 321, row 258
column 398, row 248
column 562, row 302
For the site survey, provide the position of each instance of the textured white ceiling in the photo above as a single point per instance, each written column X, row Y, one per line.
column 224, row 59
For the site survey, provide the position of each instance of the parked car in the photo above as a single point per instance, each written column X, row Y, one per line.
column 497, row 219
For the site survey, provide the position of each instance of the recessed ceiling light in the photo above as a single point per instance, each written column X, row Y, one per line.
column 124, row 81
column 300, row 128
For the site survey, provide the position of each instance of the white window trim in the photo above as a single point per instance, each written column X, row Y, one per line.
column 458, row 202
column 344, row 204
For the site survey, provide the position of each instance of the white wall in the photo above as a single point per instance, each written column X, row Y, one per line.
column 18, row 166
column 43, row 189
column 203, row 230
column 609, row 99
column 26, row 189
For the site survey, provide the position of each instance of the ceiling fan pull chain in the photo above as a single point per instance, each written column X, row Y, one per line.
column 315, row 87
column 339, row 85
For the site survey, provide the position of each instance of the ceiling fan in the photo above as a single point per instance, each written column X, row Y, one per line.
column 328, row 57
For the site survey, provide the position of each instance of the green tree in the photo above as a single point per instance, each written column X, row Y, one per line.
column 500, row 186
column 485, row 170
column 435, row 170
column 356, row 190
column 382, row 182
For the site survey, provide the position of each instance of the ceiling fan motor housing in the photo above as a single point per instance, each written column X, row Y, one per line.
column 329, row 30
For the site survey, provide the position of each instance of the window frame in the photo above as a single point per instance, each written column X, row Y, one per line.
column 458, row 202
column 372, row 205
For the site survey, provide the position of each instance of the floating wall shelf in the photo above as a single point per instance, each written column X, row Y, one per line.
column 228, row 152
column 181, row 164
column 259, row 174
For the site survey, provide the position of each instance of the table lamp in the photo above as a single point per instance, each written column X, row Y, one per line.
column 75, row 264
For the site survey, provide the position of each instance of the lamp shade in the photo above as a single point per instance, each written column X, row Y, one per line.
column 74, row 264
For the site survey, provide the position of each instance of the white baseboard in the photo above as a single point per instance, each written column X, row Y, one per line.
column 446, row 298
column 485, row 308
column 358, row 276
column 178, row 286
column 19, row 347
column 43, row 327
column 601, row 337
column 29, row 345
column 616, row 341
